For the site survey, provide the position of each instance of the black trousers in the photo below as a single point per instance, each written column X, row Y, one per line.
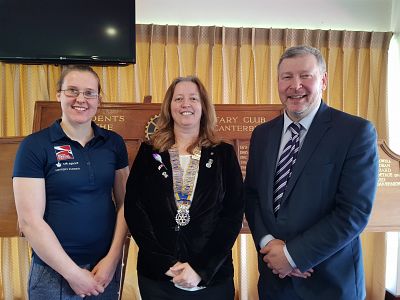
column 284, row 292
column 165, row 290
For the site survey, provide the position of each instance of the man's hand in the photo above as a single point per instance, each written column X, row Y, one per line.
column 275, row 258
column 297, row 273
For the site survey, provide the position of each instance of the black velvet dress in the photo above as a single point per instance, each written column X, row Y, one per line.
column 216, row 215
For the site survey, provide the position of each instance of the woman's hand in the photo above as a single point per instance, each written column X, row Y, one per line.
column 104, row 271
column 84, row 284
column 183, row 275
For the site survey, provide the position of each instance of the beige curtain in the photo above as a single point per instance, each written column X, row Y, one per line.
column 237, row 65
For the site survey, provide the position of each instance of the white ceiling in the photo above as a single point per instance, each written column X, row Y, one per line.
column 366, row 15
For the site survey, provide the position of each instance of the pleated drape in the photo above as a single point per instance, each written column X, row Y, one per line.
column 237, row 66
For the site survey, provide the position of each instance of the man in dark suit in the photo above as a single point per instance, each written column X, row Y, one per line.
column 310, row 187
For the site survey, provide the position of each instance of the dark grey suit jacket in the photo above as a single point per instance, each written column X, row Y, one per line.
column 325, row 207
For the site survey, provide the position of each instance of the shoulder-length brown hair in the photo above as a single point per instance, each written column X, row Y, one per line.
column 164, row 137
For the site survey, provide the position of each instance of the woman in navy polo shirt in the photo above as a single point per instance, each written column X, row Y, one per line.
column 64, row 178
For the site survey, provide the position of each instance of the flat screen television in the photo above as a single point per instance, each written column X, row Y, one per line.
column 64, row 32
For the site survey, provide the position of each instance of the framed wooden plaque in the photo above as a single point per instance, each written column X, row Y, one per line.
column 385, row 214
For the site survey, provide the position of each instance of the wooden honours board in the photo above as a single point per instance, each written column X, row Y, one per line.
column 386, row 210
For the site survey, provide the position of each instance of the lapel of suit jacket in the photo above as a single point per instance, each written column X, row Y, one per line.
column 320, row 124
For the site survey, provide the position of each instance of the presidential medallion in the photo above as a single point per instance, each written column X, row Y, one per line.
column 182, row 217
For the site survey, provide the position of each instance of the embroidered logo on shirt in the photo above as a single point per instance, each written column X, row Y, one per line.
column 63, row 152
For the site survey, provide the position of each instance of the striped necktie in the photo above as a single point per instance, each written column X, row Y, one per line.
column 285, row 165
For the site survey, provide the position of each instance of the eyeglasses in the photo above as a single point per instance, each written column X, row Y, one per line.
column 88, row 94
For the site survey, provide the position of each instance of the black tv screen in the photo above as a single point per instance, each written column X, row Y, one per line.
column 72, row 31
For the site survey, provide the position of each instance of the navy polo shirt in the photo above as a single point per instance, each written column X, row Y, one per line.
column 79, row 182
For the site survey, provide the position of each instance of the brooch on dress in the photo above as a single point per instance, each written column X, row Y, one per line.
column 157, row 157
column 210, row 161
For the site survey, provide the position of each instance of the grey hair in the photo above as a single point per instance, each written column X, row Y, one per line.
column 304, row 50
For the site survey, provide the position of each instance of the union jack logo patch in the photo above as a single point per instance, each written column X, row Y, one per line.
column 63, row 152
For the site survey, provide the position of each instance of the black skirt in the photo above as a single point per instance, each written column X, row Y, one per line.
column 164, row 290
